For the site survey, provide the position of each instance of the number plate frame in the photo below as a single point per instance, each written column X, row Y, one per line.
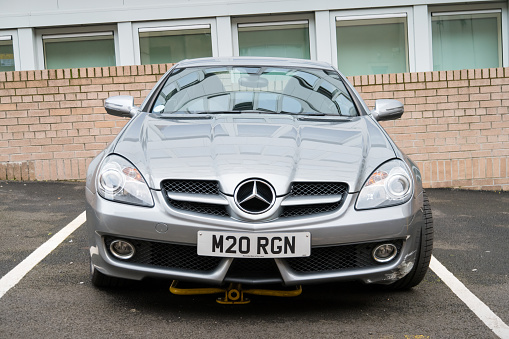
column 254, row 245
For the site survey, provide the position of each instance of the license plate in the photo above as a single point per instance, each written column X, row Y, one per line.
column 254, row 245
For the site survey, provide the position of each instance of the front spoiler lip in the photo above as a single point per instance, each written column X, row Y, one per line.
column 382, row 274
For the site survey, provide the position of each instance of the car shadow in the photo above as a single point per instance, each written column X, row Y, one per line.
column 153, row 296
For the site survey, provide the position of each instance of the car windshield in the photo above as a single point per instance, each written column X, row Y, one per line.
column 234, row 89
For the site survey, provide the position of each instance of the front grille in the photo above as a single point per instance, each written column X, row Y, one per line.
column 335, row 258
column 297, row 189
column 318, row 188
column 191, row 186
column 167, row 255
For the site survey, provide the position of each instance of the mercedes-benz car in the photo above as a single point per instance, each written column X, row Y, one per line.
column 256, row 171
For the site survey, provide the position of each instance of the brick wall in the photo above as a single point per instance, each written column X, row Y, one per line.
column 456, row 125
column 52, row 122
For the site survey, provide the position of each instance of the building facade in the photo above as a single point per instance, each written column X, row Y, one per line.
column 446, row 61
column 360, row 37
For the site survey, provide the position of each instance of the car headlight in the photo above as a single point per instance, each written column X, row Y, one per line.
column 389, row 185
column 120, row 181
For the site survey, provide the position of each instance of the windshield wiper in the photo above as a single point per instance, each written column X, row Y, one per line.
column 302, row 114
column 218, row 112
column 267, row 112
column 186, row 116
column 237, row 112
column 327, row 117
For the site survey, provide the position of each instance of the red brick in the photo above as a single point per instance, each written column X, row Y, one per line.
column 80, row 82
column 8, row 107
column 62, row 111
column 153, row 78
column 69, row 89
column 47, row 90
column 101, row 81
column 15, row 84
column 110, row 88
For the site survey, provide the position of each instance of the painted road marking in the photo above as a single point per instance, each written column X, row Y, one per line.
column 481, row 310
column 10, row 280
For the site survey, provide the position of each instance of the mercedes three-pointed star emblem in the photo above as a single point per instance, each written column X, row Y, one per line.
column 254, row 196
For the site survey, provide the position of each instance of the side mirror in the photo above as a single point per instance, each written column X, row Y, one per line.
column 387, row 109
column 121, row 106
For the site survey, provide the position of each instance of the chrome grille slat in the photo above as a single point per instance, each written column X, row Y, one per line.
column 198, row 207
column 194, row 187
column 315, row 189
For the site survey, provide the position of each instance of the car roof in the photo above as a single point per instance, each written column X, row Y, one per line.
column 253, row 61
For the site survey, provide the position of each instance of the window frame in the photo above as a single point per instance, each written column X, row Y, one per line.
column 373, row 14
column 275, row 20
column 72, row 31
column 474, row 9
column 173, row 25
column 13, row 34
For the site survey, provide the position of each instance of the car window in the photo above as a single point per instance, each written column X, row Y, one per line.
column 276, row 90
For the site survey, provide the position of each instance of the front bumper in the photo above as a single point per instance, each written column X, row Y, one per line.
column 343, row 228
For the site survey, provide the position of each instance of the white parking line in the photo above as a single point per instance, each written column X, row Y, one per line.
column 480, row 309
column 10, row 280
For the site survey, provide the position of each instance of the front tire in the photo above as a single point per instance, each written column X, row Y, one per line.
column 424, row 252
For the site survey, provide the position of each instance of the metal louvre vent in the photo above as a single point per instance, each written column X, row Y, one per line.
column 318, row 188
column 167, row 255
column 338, row 257
column 191, row 186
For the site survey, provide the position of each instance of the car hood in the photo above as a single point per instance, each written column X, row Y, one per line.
column 232, row 148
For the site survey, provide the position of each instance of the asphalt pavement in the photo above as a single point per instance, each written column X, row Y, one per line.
column 56, row 299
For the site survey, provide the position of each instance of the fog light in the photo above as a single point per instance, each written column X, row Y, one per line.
column 385, row 252
column 122, row 249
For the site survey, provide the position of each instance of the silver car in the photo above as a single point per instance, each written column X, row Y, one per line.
column 256, row 171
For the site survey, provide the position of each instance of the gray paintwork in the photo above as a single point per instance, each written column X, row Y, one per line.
column 230, row 148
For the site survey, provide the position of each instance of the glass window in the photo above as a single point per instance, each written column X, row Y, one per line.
column 281, row 39
column 466, row 41
column 172, row 44
column 264, row 90
column 6, row 54
column 79, row 50
column 372, row 46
